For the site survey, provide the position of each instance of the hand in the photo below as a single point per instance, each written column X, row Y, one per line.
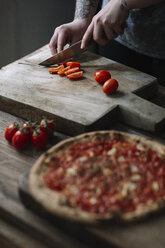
column 68, row 33
column 107, row 24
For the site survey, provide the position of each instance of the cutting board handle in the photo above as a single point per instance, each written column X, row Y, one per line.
column 138, row 112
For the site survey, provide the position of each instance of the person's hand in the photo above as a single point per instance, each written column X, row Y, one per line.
column 107, row 24
column 68, row 33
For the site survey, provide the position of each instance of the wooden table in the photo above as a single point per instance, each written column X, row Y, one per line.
column 21, row 227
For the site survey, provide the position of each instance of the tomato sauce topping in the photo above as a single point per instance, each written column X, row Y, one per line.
column 108, row 176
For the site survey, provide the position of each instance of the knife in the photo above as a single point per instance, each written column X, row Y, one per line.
column 64, row 55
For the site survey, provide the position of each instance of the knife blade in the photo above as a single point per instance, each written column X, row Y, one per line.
column 64, row 55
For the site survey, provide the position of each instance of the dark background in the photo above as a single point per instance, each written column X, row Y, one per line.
column 26, row 25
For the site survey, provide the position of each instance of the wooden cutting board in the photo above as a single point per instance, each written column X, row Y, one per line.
column 29, row 91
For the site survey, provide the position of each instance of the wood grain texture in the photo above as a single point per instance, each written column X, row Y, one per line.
column 23, row 227
column 11, row 236
column 29, row 91
column 19, row 218
column 12, row 165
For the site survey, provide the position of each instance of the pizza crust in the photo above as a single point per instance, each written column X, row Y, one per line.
column 57, row 203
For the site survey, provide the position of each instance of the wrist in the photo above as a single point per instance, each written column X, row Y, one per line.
column 83, row 21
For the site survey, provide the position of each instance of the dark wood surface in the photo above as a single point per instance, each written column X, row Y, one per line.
column 21, row 226
column 12, row 211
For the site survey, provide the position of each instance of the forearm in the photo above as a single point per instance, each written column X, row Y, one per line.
column 85, row 9
column 134, row 4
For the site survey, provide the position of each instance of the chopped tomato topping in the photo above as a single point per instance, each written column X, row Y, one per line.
column 106, row 176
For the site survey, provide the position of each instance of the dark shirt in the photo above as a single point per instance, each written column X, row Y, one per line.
column 146, row 31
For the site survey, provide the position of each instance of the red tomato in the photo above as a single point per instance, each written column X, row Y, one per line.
column 75, row 69
column 110, row 86
column 62, row 72
column 76, row 75
column 65, row 62
column 102, row 76
column 39, row 139
column 73, row 64
column 54, row 70
column 47, row 126
column 10, row 131
column 27, row 126
column 20, row 139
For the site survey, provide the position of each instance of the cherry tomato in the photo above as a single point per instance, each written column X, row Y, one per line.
column 102, row 76
column 20, row 139
column 75, row 69
column 27, row 126
column 54, row 70
column 39, row 139
column 62, row 72
column 76, row 75
column 10, row 131
column 47, row 126
column 73, row 64
column 110, row 86
column 65, row 62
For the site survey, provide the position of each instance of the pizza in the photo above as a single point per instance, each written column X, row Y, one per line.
column 99, row 176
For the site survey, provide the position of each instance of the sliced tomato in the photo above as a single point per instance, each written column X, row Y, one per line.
column 73, row 64
column 76, row 69
column 102, row 76
column 76, row 75
column 62, row 72
column 110, row 86
column 65, row 62
column 54, row 70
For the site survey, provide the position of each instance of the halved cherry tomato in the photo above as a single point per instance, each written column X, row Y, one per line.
column 76, row 75
column 54, row 70
column 10, row 131
column 62, row 72
column 47, row 126
column 65, row 62
column 73, row 70
column 73, row 64
column 102, row 76
column 39, row 139
column 110, row 86
column 20, row 139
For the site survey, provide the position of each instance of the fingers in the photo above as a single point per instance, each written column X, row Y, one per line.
column 87, row 36
column 100, row 33
column 119, row 29
column 109, row 32
column 53, row 44
column 59, row 39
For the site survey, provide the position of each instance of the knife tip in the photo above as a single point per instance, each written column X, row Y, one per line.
column 43, row 64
